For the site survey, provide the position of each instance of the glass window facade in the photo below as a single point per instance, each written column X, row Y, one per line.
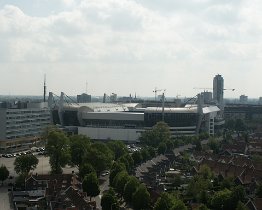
column 172, row 119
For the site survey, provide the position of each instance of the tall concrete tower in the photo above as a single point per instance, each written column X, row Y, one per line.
column 218, row 90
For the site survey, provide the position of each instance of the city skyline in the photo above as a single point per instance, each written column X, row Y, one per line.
column 128, row 46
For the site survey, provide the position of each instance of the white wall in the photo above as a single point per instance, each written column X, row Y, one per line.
column 111, row 133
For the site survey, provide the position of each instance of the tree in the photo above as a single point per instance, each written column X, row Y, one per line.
column 4, row 173
column 167, row 202
column 259, row 191
column 58, row 150
column 151, row 151
column 196, row 185
column 118, row 148
column 141, row 198
column 128, row 161
column 137, row 157
column 241, row 206
column 164, row 202
column 213, row 144
column 169, row 145
column 222, row 200
column 145, row 154
column 202, row 207
column 120, row 181
column 162, row 148
column 79, row 146
column 109, row 200
column 115, row 169
column 179, row 205
column 24, row 164
column 205, row 172
column 130, row 187
column 159, row 133
column 100, row 156
column 90, row 185
column 238, row 195
column 84, row 169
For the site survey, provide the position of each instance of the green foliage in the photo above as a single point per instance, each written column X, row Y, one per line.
column 120, row 181
column 103, row 148
column 227, row 183
column 109, row 201
column 58, row 150
column 222, row 200
column 115, row 169
column 238, row 194
column 159, row 133
column 145, row 154
column 118, row 148
column 100, row 156
column 141, row 198
column 90, row 185
column 151, row 151
column 213, row 144
column 197, row 142
column 137, row 157
column 4, row 173
column 162, row 148
column 130, row 187
column 169, row 146
column 128, row 161
column 205, row 172
column 259, row 191
column 197, row 185
column 202, row 207
column 164, row 202
column 240, row 125
column 241, row 206
column 24, row 164
column 79, row 145
column 84, row 169
column 179, row 205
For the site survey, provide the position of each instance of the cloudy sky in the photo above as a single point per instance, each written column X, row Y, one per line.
column 130, row 46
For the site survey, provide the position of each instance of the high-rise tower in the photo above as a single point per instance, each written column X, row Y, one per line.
column 44, row 88
column 218, row 90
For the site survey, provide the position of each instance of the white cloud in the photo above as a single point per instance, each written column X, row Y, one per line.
column 180, row 38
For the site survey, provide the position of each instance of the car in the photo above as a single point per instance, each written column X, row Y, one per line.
column 105, row 173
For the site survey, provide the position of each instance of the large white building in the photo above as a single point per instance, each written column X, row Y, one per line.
column 104, row 121
column 18, row 126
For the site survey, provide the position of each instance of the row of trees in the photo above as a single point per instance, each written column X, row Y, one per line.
column 127, row 187
column 77, row 151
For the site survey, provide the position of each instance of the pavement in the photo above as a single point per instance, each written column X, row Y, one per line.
column 5, row 204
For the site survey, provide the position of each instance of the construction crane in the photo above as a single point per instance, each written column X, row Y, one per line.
column 158, row 90
column 199, row 88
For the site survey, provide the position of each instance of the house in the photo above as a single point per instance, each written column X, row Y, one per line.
column 54, row 192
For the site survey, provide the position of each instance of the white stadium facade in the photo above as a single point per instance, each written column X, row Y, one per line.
column 126, row 122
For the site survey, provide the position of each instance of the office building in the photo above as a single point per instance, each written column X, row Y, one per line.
column 23, row 125
column 243, row 99
column 218, row 90
column 83, row 98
